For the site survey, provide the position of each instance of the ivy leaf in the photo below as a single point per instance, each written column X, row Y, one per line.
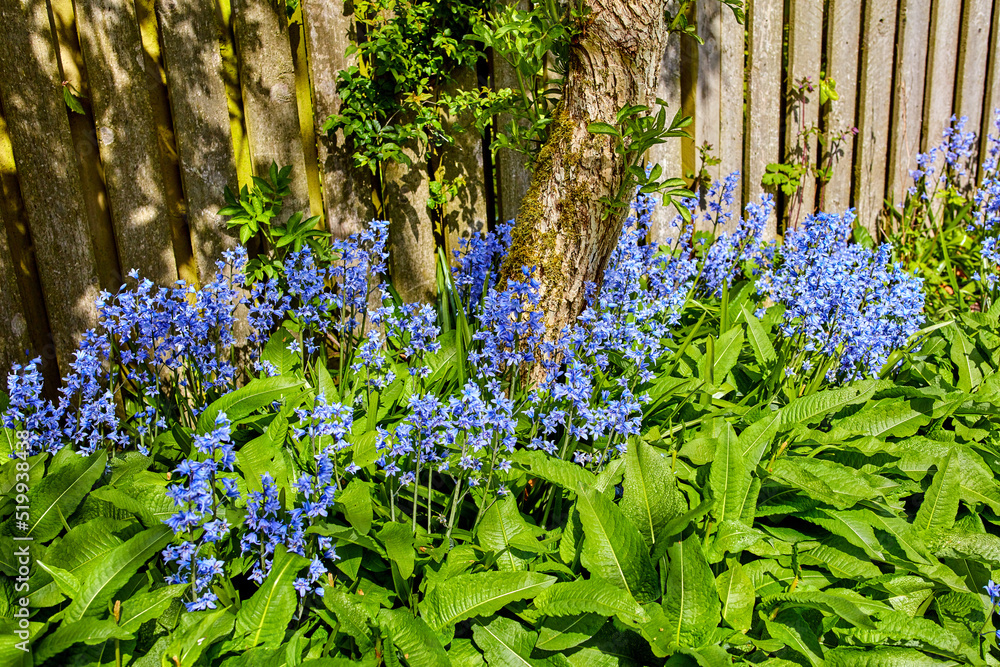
column 613, row 548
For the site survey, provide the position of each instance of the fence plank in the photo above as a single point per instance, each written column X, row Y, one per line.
column 843, row 38
column 970, row 88
column 942, row 61
column 764, row 21
column 411, row 230
column 708, row 89
column 992, row 101
column 466, row 212
column 267, row 76
column 126, row 137
column 513, row 177
column 907, row 109
column 14, row 339
column 668, row 154
column 877, row 44
column 731, row 65
column 201, row 123
column 50, row 183
column 347, row 191
column 802, row 111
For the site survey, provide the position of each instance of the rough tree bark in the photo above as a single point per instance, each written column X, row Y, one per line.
column 562, row 228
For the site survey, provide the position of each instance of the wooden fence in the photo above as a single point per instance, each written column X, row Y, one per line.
column 182, row 97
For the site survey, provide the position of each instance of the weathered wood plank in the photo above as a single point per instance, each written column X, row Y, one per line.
column 942, row 61
column 802, row 107
column 992, row 101
column 908, row 105
column 668, row 154
column 764, row 21
column 14, row 340
column 513, row 177
column 843, row 38
column 465, row 213
column 970, row 86
column 47, row 171
column 412, row 250
column 201, row 123
column 347, row 190
column 877, row 42
column 731, row 105
column 708, row 91
column 267, row 76
column 126, row 136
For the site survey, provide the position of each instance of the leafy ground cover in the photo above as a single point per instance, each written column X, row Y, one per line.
column 741, row 452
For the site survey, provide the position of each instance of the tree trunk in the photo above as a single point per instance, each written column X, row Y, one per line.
column 562, row 228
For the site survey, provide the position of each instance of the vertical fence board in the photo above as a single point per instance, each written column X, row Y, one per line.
column 46, row 163
column 804, row 61
column 764, row 20
column 201, row 123
column 668, row 154
column 992, row 100
column 843, row 38
column 873, row 138
column 267, row 76
column 303, row 99
column 708, row 90
column 14, row 339
column 513, row 178
column 347, row 191
column 465, row 213
column 411, row 230
column 907, row 110
column 126, row 136
column 942, row 61
column 731, row 65
column 970, row 88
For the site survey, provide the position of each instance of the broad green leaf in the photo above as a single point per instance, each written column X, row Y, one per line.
column 413, row 637
column 105, row 576
column 67, row 582
column 90, row 631
column 74, row 551
column 754, row 439
column 567, row 475
column 727, row 353
column 732, row 537
column 977, row 482
column 977, row 546
column 501, row 524
column 940, row 505
column 853, row 526
column 504, row 643
column 263, row 619
column 762, row 348
column 613, row 548
column 138, row 609
column 691, row 605
column 463, row 653
column 650, row 495
column 588, row 595
column 825, row 602
column 965, row 357
column 564, row 632
column 143, row 495
column 738, row 596
column 795, row 631
column 729, row 478
column 353, row 617
column 276, row 353
column 813, row 407
column 828, row 481
column 244, row 401
column 882, row 657
column 356, row 503
column 482, row 594
column 196, row 632
column 842, row 559
column 54, row 498
column 888, row 417
column 398, row 541
column 896, row 626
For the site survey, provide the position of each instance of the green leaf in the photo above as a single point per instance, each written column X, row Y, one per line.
column 54, row 498
column 504, row 643
column 727, row 353
column 603, row 128
column 825, row 602
column 939, row 508
column 501, row 524
column 729, row 478
column 263, row 619
column 738, row 596
column 67, row 582
column 90, row 631
column 691, row 605
column 354, row 619
column 248, row 399
column 650, row 495
column 809, row 409
column 791, row 628
column 613, row 548
column 763, row 350
column 565, row 474
column 138, row 609
column 398, row 541
column 965, row 357
column 588, row 595
column 468, row 595
column 827, row 481
column 72, row 101
column 888, row 417
column 196, row 632
column 414, row 638
column 564, row 632
column 111, row 572
column 276, row 353
column 882, row 657
column 756, row 438
column 356, row 503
